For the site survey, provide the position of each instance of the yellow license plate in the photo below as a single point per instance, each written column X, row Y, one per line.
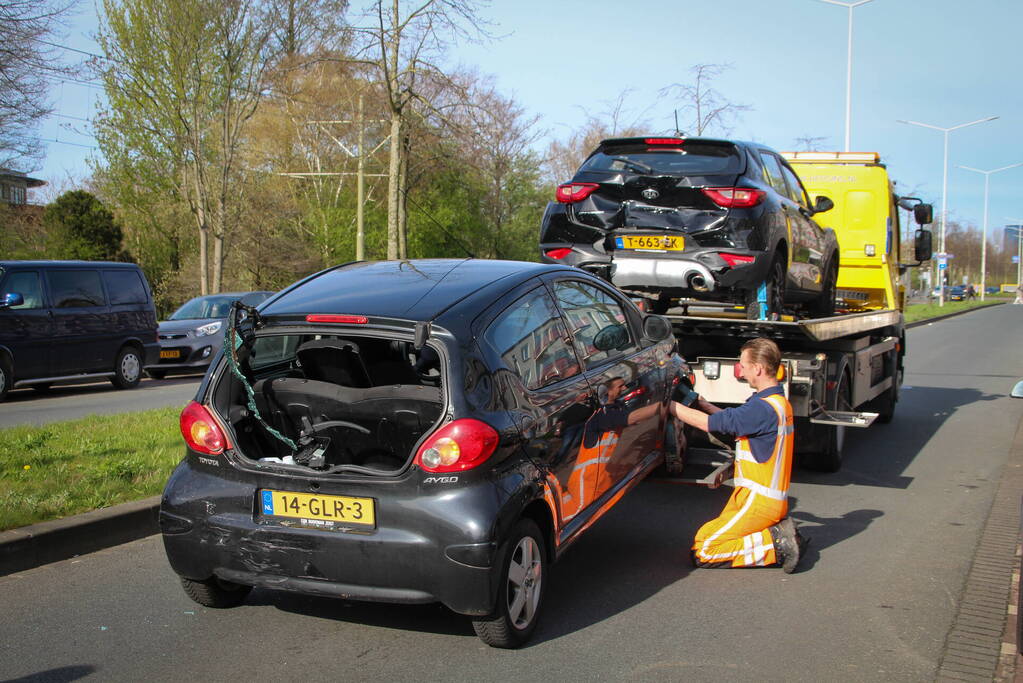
column 170, row 354
column 328, row 512
column 656, row 242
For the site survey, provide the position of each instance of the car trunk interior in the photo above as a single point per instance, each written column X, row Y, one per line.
column 347, row 403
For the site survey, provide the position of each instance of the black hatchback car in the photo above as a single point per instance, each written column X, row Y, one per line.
column 415, row 432
column 695, row 219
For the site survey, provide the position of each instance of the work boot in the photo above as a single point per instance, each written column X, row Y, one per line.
column 788, row 544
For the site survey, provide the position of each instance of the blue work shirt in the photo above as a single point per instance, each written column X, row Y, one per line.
column 755, row 419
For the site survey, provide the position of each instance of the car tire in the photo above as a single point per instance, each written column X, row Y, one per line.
column 216, row 593
column 824, row 305
column 523, row 565
column 6, row 378
column 157, row 374
column 127, row 368
column 775, row 292
column 829, row 457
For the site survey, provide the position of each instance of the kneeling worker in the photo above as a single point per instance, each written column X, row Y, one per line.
column 753, row 529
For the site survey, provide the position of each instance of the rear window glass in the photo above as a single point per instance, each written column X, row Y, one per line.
column 75, row 288
column 124, row 287
column 691, row 159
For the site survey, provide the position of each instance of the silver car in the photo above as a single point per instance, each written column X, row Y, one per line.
column 194, row 332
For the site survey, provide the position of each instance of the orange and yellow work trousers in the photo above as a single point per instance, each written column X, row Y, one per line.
column 740, row 536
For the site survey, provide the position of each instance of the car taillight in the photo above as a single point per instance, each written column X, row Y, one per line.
column 636, row 393
column 734, row 260
column 734, row 197
column 559, row 253
column 459, row 445
column 570, row 193
column 201, row 431
column 672, row 142
column 343, row 319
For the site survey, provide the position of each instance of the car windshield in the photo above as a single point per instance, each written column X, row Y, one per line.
column 203, row 307
column 692, row 159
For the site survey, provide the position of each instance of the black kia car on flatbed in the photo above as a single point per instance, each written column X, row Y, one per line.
column 418, row 431
column 695, row 219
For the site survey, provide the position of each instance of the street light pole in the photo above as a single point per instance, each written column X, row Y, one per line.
column 848, row 63
column 944, row 188
column 983, row 248
column 1019, row 248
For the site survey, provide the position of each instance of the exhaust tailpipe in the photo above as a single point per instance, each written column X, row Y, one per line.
column 697, row 283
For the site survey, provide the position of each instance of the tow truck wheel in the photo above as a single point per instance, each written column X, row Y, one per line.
column 520, row 590
column 829, row 457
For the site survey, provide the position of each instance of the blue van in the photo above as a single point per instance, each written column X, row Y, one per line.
column 74, row 321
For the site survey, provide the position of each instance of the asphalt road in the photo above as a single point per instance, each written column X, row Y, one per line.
column 68, row 402
column 893, row 537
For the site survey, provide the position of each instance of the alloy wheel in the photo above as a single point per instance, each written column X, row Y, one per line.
column 525, row 574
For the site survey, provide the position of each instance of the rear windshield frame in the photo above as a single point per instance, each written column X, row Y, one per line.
column 666, row 160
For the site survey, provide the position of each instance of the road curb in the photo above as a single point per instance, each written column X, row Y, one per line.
column 918, row 323
column 45, row 542
column 981, row 645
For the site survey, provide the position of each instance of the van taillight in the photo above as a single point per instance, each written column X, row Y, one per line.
column 459, row 445
column 734, row 197
column 570, row 193
column 201, row 431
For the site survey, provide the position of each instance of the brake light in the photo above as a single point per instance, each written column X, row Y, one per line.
column 459, row 445
column 673, row 142
column 734, row 260
column 559, row 253
column 343, row 319
column 570, row 193
column 734, row 197
column 201, row 431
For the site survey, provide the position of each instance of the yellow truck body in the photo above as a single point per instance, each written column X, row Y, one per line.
column 865, row 220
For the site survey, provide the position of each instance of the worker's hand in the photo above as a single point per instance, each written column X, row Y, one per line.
column 684, row 393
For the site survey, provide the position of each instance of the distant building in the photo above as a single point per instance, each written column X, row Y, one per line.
column 1012, row 237
column 14, row 186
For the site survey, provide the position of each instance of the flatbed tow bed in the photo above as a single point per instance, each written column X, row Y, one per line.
column 837, row 372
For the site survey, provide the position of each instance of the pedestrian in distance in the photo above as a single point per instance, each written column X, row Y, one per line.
column 971, row 293
column 753, row 530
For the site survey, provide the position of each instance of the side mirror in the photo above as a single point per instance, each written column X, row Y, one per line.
column 656, row 328
column 923, row 214
column 1017, row 391
column 611, row 337
column 11, row 299
column 923, row 249
column 822, row 204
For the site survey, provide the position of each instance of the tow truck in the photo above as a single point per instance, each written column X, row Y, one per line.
column 838, row 372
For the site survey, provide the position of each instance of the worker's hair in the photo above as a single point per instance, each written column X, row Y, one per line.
column 765, row 352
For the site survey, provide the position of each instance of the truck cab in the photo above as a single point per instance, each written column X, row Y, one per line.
column 866, row 220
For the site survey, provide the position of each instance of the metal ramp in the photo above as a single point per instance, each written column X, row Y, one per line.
column 710, row 467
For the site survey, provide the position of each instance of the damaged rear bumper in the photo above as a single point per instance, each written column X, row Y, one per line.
column 213, row 530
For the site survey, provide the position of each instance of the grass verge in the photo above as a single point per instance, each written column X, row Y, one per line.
column 917, row 312
column 65, row 468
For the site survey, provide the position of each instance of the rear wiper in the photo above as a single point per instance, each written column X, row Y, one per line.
column 634, row 165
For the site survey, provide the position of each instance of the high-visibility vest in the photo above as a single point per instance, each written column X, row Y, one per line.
column 771, row 478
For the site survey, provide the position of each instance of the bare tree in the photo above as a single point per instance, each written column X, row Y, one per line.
column 402, row 42
column 810, row 143
column 27, row 61
column 702, row 107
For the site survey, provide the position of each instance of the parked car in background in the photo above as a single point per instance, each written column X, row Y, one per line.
column 695, row 218
column 74, row 321
column 444, row 446
column 957, row 293
column 194, row 332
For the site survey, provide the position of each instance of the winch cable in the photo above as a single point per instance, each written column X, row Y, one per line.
column 232, row 341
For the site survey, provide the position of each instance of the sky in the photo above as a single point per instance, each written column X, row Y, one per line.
column 940, row 62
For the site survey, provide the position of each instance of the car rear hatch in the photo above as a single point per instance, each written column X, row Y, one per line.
column 328, row 398
column 657, row 184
